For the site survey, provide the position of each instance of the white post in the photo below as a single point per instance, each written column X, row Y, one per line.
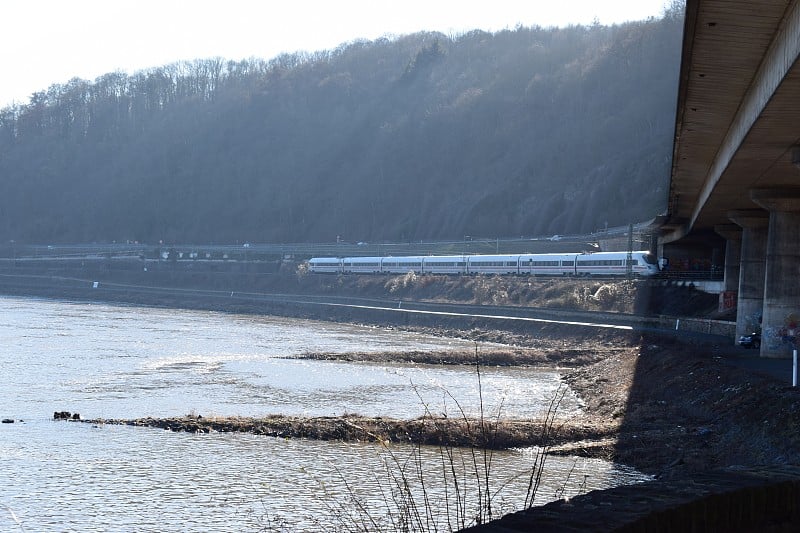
column 677, row 324
column 794, row 368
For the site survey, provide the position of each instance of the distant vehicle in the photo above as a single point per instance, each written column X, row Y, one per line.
column 361, row 243
column 639, row 263
column 246, row 245
column 751, row 340
column 555, row 238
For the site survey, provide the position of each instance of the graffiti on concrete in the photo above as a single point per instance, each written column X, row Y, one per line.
column 753, row 322
column 785, row 335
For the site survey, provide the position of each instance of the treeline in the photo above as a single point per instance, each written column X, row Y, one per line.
column 522, row 132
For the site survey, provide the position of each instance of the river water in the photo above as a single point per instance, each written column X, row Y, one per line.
column 111, row 361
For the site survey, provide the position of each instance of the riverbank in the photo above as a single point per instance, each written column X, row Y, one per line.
column 666, row 408
column 670, row 404
column 494, row 432
column 429, row 430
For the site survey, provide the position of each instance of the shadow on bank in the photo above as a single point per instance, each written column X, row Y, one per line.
column 720, row 438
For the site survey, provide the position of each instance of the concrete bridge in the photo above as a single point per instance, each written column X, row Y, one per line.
column 735, row 185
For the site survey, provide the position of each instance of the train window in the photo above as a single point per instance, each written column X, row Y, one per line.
column 603, row 262
column 568, row 263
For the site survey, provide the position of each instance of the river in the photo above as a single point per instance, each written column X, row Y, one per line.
column 113, row 361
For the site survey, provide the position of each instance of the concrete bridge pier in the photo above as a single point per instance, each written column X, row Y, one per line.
column 782, row 283
column 752, row 268
column 732, row 234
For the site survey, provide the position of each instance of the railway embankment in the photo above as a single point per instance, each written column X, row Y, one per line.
column 514, row 304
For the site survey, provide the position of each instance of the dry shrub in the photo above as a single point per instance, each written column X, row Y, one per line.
column 426, row 281
column 396, row 283
column 365, row 283
column 501, row 290
column 302, row 270
column 605, row 295
column 480, row 291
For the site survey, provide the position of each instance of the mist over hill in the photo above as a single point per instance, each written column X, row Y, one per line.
column 522, row 132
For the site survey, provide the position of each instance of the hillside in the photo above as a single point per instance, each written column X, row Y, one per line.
column 521, row 132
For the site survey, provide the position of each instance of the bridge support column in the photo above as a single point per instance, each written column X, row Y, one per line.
column 733, row 253
column 782, row 285
column 752, row 269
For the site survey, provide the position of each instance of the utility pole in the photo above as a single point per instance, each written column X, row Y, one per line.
column 629, row 259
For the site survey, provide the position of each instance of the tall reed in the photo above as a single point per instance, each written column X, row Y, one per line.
column 463, row 493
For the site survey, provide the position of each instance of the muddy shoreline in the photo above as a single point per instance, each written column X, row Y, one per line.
column 579, row 434
column 664, row 408
column 434, row 431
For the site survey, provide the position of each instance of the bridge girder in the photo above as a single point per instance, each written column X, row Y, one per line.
column 738, row 110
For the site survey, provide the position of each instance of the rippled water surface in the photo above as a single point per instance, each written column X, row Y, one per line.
column 108, row 361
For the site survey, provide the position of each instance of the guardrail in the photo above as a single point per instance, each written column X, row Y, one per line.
column 689, row 275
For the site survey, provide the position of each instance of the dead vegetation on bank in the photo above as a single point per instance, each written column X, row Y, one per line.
column 555, row 293
column 561, row 357
column 634, row 296
column 427, row 430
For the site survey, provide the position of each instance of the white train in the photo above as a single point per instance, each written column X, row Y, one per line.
column 640, row 263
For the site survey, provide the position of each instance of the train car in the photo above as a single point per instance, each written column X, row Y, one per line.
column 639, row 263
column 445, row 264
column 642, row 263
column 493, row 264
column 325, row 265
column 402, row 265
column 547, row 264
column 645, row 263
column 361, row 265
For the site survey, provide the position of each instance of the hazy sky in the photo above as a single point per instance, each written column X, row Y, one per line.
column 51, row 41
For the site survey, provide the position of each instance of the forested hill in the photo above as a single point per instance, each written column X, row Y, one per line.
column 522, row 132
